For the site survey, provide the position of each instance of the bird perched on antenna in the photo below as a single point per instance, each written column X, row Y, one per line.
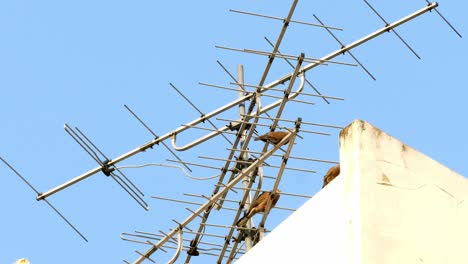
column 272, row 137
column 259, row 206
column 332, row 173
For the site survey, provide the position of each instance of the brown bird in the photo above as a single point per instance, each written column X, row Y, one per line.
column 272, row 137
column 259, row 205
column 331, row 174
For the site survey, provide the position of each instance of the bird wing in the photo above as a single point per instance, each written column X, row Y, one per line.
column 258, row 204
column 260, row 199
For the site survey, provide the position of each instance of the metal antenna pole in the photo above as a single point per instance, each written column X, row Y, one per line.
column 245, row 154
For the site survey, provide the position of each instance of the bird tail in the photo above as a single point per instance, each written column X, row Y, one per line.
column 242, row 222
column 258, row 138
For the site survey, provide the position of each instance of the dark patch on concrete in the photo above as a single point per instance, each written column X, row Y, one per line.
column 346, row 131
column 404, row 148
column 385, row 179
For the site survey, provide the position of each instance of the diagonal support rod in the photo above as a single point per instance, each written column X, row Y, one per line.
column 198, row 110
column 155, row 135
column 393, row 30
column 349, row 52
column 45, row 200
column 292, row 66
column 445, row 20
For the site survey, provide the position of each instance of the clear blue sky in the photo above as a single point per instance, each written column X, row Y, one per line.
column 79, row 62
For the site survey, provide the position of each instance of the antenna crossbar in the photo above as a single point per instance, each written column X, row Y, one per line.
column 282, row 19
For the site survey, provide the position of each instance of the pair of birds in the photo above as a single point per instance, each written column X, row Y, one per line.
column 259, row 205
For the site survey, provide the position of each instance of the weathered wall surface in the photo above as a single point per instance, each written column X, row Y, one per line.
column 410, row 208
column 391, row 204
column 312, row 234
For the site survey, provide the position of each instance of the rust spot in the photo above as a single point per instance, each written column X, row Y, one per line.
column 346, row 131
column 404, row 148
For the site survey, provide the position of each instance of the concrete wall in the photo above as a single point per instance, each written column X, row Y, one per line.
column 391, row 204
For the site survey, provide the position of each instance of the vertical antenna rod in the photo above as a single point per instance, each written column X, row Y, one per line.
column 244, row 154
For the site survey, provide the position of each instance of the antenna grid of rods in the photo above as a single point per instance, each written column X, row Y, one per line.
column 247, row 168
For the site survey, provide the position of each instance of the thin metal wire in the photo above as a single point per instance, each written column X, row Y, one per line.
column 124, row 186
column 235, row 201
column 281, row 127
column 95, row 147
column 226, row 70
column 19, row 175
column 198, row 110
column 284, row 56
column 228, row 226
column 306, row 123
column 247, row 162
column 282, row 192
column 269, row 89
column 306, row 59
column 146, row 257
column 157, row 236
column 45, row 200
column 170, row 166
column 292, row 66
column 446, row 21
column 278, row 90
column 295, row 157
column 206, row 234
column 82, row 144
column 209, row 129
column 291, row 100
column 155, row 135
column 90, row 142
column 194, row 164
column 282, row 19
column 393, row 30
column 348, row 51
column 193, row 212
column 187, row 202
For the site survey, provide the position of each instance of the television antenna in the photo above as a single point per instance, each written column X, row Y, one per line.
column 237, row 167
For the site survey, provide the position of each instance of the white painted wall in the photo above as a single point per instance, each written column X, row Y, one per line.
column 391, row 204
